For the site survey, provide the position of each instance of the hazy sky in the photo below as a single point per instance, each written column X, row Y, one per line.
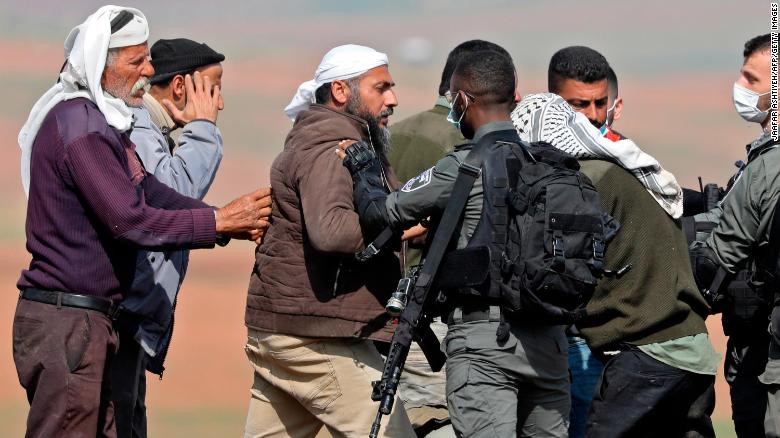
column 676, row 60
column 638, row 36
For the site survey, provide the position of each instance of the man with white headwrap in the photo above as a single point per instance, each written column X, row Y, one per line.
column 90, row 207
column 648, row 324
column 313, row 309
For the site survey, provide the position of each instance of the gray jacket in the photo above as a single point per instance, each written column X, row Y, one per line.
column 746, row 212
column 428, row 193
column 742, row 235
column 190, row 170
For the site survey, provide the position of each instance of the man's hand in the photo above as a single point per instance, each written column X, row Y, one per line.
column 415, row 234
column 202, row 101
column 247, row 217
column 343, row 145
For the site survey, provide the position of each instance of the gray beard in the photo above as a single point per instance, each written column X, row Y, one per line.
column 379, row 136
column 115, row 88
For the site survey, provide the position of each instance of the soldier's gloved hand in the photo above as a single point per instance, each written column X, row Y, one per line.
column 359, row 156
column 369, row 190
column 705, row 267
column 364, row 165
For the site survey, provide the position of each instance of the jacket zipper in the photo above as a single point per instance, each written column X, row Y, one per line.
column 336, row 282
column 164, row 353
column 381, row 165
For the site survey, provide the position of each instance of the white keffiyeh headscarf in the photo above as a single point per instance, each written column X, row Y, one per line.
column 340, row 63
column 547, row 117
column 85, row 49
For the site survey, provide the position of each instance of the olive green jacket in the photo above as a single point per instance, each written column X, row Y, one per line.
column 657, row 300
column 421, row 140
column 418, row 142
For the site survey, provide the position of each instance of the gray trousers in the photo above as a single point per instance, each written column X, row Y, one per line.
column 516, row 388
column 772, row 419
column 771, row 378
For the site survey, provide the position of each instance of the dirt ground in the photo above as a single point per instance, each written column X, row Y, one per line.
column 205, row 388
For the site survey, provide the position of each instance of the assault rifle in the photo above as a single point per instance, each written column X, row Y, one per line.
column 413, row 325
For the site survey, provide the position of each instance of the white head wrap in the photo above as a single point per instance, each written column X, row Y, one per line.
column 342, row 62
column 547, row 117
column 85, row 49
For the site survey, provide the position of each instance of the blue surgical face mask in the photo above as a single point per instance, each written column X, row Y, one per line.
column 451, row 114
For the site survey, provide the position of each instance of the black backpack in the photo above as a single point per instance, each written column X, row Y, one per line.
column 538, row 250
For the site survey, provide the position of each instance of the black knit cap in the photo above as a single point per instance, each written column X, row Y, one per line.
column 180, row 56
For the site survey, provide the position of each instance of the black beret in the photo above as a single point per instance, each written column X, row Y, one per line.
column 180, row 56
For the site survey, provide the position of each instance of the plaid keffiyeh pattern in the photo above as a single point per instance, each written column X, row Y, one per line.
column 547, row 117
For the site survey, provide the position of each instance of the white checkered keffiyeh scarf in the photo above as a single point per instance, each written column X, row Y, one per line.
column 547, row 117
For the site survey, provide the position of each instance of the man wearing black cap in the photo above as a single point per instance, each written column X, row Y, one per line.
column 179, row 143
column 168, row 97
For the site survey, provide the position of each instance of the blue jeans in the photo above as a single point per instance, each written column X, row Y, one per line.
column 585, row 371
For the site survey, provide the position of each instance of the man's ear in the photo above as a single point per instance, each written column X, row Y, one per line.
column 178, row 89
column 618, row 109
column 764, row 102
column 339, row 92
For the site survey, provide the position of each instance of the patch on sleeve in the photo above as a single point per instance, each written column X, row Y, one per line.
column 418, row 181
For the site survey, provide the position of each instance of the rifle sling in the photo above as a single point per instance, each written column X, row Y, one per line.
column 468, row 172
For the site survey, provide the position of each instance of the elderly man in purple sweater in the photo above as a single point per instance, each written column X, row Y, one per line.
column 91, row 206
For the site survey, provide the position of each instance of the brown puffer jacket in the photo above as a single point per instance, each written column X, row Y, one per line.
column 306, row 280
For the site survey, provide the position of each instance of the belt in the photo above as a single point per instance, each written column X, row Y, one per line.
column 474, row 313
column 102, row 305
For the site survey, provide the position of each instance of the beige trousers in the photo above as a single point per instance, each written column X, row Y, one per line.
column 302, row 384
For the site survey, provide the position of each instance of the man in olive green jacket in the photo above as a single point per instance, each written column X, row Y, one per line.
column 647, row 325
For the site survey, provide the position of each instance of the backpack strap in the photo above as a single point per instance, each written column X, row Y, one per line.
column 689, row 228
column 549, row 154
